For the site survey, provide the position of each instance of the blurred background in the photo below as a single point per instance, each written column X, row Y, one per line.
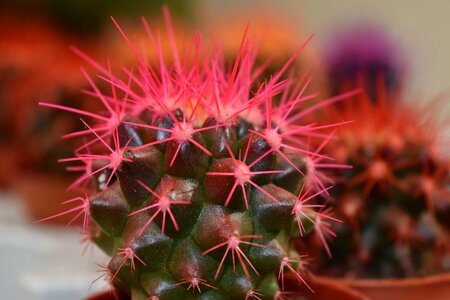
column 45, row 261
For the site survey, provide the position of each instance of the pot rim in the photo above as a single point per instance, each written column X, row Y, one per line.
column 337, row 286
column 391, row 282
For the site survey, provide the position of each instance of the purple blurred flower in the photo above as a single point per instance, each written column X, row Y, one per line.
column 361, row 54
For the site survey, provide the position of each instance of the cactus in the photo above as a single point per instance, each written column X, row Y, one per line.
column 195, row 184
column 395, row 202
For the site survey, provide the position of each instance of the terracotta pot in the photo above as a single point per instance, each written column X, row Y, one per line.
column 42, row 196
column 105, row 295
column 108, row 295
column 321, row 289
column 9, row 171
column 435, row 287
column 327, row 291
column 324, row 289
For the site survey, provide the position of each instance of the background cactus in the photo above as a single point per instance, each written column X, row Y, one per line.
column 395, row 202
column 199, row 180
column 22, row 83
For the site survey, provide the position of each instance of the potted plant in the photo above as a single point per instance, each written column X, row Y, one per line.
column 394, row 241
column 193, row 181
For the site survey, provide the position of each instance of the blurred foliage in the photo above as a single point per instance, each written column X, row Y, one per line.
column 89, row 16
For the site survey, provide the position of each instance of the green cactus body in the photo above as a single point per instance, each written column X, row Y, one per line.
column 200, row 177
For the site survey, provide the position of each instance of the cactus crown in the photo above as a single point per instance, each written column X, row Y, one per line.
column 202, row 175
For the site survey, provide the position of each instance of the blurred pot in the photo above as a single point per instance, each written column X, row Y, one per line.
column 324, row 289
column 9, row 170
column 42, row 196
column 108, row 295
column 433, row 287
